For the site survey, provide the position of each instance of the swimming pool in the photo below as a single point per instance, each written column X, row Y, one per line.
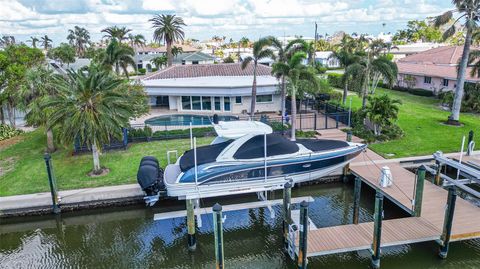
column 177, row 119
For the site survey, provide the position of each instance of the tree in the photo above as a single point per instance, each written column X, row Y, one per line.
column 260, row 51
column 176, row 50
column 46, row 42
column 15, row 60
column 168, row 28
column 244, row 42
column 160, row 61
column 296, row 73
column 468, row 10
column 92, row 107
column 33, row 40
column 7, row 40
column 229, row 60
column 136, row 40
column 418, row 31
column 39, row 86
column 118, row 33
column 79, row 38
column 65, row 54
column 118, row 56
column 382, row 111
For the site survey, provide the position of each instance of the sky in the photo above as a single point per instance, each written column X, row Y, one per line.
column 206, row 18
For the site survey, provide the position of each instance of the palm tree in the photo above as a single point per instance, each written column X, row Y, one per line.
column 46, row 42
column 260, row 51
column 160, row 61
column 296, row 72
column 244, row 41
column 92, row 107
column 176, row 50
column 136, row 40
column 382, row 111
column 79, row 38
column 168, row 28
column 119, row 33
column 117, row 56
column 33, row 40
column 7, row 40
column 469, row 12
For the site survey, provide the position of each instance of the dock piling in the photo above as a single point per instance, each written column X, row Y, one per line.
column 218, row 231
column 448, row 221
column 192, row 242
column 287, row 214
column 346, row 170
column 349, row 136
column 356, row 199
column 420, row 181
column 438, row 172
column 53, row 184
column 377, row 230
column 302, row 249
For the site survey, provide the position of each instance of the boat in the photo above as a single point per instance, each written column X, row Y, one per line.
column 253, row 163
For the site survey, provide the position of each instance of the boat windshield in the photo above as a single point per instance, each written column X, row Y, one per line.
column 276, row 145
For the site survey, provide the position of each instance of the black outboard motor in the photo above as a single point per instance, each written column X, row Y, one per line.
column 150, row 179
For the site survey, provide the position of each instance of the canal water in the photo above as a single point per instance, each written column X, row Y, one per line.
column 128, row 237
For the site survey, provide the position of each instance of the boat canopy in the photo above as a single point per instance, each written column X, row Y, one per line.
column 276, row 145
column 205, row 154
column 236, row 129
column 316, row 145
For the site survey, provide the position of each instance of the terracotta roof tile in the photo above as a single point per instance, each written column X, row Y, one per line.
column 209, row 70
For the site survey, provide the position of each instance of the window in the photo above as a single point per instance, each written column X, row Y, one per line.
column 196, row 103
column 183, row 62
column 264, row 98
column 427, row 80
column 206, row 103
column 218, row 105
column 194, row 62
column 238, row 100
column 186, row 105
column 226, row 103
column 445, row 82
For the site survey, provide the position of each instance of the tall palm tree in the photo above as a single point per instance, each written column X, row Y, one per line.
column 92, row 107
column 79, row 38
column 296, row 72
column 118, row 56
column 33, row 40
column 7, row 40
column 160, row 61
column 176, row 50
column 46, row 42
column 468, row 11
column 260, row 51
column 244, row 41
column 119, row 33
column 168, row 28
column 137, row 40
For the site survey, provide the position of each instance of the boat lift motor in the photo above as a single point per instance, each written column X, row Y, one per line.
column 386, row 178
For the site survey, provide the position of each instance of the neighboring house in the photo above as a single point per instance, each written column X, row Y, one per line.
column 327, row 59
column 161, row 50
column 212, row 88
column 62, row 68
column 402, row 51
column 198, row 57
column 263, row 61
column 434, row 70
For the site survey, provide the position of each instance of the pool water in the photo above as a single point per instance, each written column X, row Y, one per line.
column 178, row 119
column 128, row 237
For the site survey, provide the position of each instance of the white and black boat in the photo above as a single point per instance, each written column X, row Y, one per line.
column 253, row 163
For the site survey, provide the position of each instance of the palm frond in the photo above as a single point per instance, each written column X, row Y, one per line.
column 442, row 19
column 246, row 61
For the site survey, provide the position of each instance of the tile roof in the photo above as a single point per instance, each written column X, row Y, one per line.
column 209, row 70
column 438, row 62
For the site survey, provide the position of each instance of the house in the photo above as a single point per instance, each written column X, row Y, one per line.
column 162, row 49
column 212, row 88
column 402, row 51
column 434, row 70
column 327, row 59
column 197, row 57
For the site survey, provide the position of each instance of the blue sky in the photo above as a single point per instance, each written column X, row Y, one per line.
column 205, row 18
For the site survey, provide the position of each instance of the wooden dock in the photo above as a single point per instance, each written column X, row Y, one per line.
column 427, row 227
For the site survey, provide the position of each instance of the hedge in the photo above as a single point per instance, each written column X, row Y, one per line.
column 335, row 80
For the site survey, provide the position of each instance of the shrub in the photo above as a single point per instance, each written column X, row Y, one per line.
column 414, row 91
column 142, row 71
column 154, row 69
column 278, row 126
column 305, row 134
column 6, row 131
column 335, row 80
column 196, row 132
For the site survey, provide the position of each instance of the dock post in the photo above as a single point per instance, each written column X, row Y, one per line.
column 438, row 172
column 192, row 242
column 377, row 230
column 447, row 223
column 346, row 169
column 417, row 210
column 287, row 214
column 349, row 136
column 53, row 184
column 218, row 231
column 302, row 248
column 356, row 199
column 470, row 140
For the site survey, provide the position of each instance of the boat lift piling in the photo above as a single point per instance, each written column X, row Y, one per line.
column 218, row 232
column 437, row 180
column 356, row 199
column 419, row 184
column 192, row 242
column 287, row 213
column 377, row 230
column 448, row 221
column 302, row 249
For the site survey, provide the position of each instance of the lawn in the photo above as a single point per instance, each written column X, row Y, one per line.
column 422, row 120
column 24, row 168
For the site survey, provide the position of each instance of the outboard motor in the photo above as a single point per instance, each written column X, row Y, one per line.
column 150, row 179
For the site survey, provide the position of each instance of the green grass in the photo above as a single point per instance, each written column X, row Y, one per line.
column 422, row 120
column 29, row 174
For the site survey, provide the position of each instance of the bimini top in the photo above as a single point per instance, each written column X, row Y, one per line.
column 276, row 145
column 236, row 129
